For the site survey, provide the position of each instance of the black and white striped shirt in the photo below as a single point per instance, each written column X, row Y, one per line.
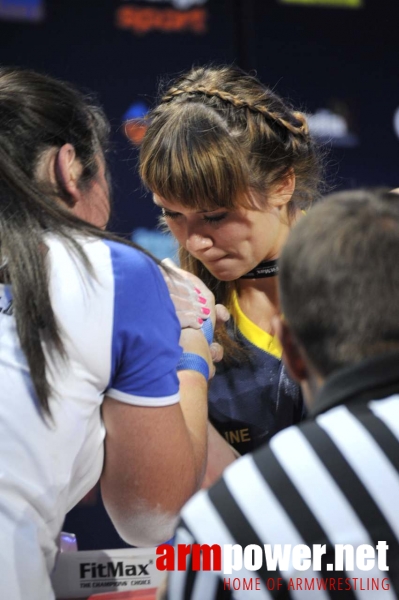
column 331, row 480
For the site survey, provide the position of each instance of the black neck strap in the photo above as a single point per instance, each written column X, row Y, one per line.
column 267, row 268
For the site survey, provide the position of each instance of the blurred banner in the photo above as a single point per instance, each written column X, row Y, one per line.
column 330, row 3
column 22, row 10
column 141, row 19
column 335, row 124
column 134, row 122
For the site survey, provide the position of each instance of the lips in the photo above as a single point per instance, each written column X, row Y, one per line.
column 213, row 260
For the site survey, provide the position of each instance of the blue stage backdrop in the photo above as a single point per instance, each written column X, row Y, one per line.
column 335, row 59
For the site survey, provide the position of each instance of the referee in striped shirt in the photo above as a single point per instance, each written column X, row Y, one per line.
column 334, row 479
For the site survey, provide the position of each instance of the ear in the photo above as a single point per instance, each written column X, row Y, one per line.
column 283, row 190
column 292, row 354
column 68, row 171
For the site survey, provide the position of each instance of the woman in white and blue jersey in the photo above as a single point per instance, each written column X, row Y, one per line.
column 94, row 384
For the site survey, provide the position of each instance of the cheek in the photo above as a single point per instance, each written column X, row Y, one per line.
column 233, row 234
column 99, row 206
column 177, row 230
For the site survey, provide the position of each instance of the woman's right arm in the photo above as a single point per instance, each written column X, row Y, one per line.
column 155, row 446
column 155, row 458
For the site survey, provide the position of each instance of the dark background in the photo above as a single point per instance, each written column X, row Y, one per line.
column 341, row 61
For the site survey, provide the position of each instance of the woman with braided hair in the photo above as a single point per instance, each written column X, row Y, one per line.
column 232, row 167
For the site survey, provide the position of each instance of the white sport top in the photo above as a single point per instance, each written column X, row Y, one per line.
column 120, row 334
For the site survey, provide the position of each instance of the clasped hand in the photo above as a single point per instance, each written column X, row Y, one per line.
column 194, row 302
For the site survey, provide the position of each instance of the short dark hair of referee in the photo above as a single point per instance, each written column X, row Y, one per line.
column 340, row 292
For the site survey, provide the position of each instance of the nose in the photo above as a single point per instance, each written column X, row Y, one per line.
column 198, row 242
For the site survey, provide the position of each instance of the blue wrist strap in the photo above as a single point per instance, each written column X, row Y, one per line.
column 193, row 362
column 207, row 330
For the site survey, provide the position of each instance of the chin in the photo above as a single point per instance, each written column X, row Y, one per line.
column 225, row 274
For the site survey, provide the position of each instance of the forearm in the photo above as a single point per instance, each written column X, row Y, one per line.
column 194, row 400
column 193, row 391
column 220, row 456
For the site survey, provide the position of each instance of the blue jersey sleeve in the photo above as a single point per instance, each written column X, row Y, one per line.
column 146, row 331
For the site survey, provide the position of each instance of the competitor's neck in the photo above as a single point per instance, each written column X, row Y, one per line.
column 258, row 300
column 247, row 288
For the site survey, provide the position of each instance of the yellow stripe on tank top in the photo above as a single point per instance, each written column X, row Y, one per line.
column 255, row 334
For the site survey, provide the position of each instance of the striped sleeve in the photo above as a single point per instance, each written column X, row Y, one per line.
column 331, row 481
column 196, row 585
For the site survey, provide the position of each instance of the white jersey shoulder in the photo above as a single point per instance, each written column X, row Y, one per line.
column 120, row 335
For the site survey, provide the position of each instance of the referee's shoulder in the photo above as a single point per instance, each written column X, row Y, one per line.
column 304, row 445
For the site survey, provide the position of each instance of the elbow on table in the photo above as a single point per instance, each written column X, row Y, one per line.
column 143, row 526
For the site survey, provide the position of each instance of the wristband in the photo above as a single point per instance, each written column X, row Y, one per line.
column 193, row 362
column 207, row 330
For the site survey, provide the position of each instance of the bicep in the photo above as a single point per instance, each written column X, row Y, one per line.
column 139, row 440
column 147, row 454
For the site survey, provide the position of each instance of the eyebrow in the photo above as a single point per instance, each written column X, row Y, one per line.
column 199, row 212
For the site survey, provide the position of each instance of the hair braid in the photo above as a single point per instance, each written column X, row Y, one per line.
column 299, row 127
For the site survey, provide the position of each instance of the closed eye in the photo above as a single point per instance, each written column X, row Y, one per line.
column 169, row 214
column 214, row 218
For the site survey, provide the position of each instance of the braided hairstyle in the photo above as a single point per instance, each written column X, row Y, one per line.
column 217, row 136
column 257, row 106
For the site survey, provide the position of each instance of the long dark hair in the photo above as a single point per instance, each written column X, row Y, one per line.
column 37, row 113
